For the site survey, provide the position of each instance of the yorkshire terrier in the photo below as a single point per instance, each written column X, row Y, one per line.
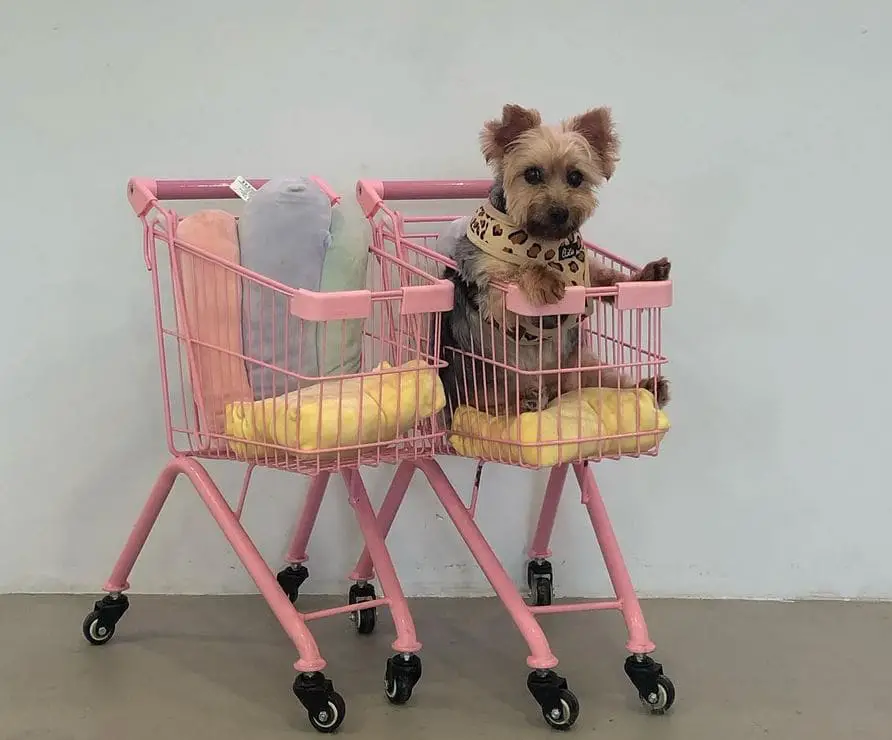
column 527, row 234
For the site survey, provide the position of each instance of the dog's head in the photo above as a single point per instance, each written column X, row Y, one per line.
column 550, row 173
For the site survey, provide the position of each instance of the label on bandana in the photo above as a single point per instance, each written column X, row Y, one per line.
column 568, row 251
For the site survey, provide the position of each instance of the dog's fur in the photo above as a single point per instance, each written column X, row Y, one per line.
column 542, row 173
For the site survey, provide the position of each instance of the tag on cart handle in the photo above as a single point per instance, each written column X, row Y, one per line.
column 242, row 188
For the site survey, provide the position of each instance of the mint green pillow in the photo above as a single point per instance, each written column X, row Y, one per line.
column 345, row 268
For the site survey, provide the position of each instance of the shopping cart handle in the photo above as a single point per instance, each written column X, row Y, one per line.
column 372, row 193
column 143, row 192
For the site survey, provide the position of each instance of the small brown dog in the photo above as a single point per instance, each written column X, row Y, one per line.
column 527, row 234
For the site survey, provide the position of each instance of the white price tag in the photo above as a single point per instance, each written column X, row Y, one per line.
column 242, row 188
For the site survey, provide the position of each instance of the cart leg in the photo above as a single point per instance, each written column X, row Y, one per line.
column 297, row 550
column 639, row 642
column 364, row 570
column 118, row 582
column 310, row 661
column 406, row 641
column 541, row 657
column 541, row 539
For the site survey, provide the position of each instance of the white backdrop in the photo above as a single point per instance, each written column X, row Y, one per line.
column 756, row 155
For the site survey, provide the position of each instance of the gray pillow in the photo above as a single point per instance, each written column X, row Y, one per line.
column 284, row 233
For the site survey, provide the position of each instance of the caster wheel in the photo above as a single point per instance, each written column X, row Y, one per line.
column 655, row 690
column 95, row 632
column 325, row 706
column 291, row 579
column 559, row 705
column 540, row 577
column 565, row 714
column 327, row 719
column 542, row 593
column 365, row 619
column 99, row 624
column 402, row 674
column 661, row 700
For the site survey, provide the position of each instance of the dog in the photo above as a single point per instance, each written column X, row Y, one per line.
column 527, row 234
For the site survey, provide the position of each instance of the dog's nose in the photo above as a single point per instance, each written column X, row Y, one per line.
column 558, row 215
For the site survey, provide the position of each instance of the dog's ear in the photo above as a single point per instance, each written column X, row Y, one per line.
column 497, row 135
column 596, row 127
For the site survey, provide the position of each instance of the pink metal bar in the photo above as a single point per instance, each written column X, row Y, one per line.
column 216, row 189
column 406, row 641
column 346, row 609
column 243, row 496
column 310, row 660
column 371, row 193
column 200, row 189
column 541, row 657
column 432, row 189
column 545, row 526
column 297, row 550
column 588, row 606
column 364, row 570
column 639, row 640
column 143, row 191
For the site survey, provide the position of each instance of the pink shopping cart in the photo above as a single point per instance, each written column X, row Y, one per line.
column 326, row 424
column 620, row 326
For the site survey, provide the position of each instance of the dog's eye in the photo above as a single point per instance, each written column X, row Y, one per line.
column 574, row 178
column 533, row 175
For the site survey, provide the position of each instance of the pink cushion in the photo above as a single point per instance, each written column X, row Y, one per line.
column 212, row 298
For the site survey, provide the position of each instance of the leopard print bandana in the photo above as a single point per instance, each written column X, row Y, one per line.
column 491, row 232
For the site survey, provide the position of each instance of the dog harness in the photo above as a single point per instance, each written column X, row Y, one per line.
column 491, row 232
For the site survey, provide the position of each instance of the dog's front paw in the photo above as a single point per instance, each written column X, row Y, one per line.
column 541, row 285
column 659, row 388
column 654, row 271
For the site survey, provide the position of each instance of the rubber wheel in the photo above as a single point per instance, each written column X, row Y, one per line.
column 94, row 633
column 329, row 719
column 542, row 592
column 397, row 692
column 366, row 620
column 567, row 713
column 664, row 699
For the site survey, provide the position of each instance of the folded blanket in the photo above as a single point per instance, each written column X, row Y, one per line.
column 578, row 425
column 377, row 407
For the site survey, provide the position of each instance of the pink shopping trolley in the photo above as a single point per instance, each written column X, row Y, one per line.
column 210, row 413
column 620, row 326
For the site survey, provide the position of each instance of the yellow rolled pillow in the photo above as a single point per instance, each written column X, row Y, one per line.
column 378, row 406
column 578, row 425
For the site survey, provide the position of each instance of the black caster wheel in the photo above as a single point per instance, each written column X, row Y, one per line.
column 662, row 700
column 560, row 707
column 402, row 674
column 564, row 716
column 325, row 706
column 364, row 619
column 540, row 577
column 656, row 691
column 99, row 624
column 291, row 579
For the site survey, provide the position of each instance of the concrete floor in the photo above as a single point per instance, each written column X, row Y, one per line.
column 221, row 668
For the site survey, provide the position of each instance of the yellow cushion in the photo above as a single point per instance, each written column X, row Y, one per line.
column 576, row 425
column 379, row 406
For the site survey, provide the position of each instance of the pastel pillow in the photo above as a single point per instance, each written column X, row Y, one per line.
column 284, row 233
column 212, row 314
